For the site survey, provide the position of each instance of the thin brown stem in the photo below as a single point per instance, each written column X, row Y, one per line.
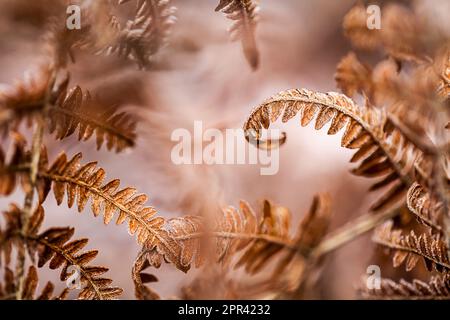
column 352, row 230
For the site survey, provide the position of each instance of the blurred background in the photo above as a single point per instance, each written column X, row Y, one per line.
column 201, row 75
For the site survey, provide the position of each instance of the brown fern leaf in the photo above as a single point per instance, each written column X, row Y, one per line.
column 65, row 112
column 30, row 286
column 400, row 35
column 9, row 174
column 140, row 278
column 244, row 15
column 376, row 84
column 54, row 246
column 382, row 154
column 427, row 210
column 442, row 64
column 146, row 34
column 353, row 77
column 238, row 231
column 9, row 235
column 311, row 231
column 88, row 115
column 438, row 288
column 411, row 247
column 8, row 287
column 355, row 28
column 84, row 182
column 8, row 290
column 218, row 283
column 24, row 99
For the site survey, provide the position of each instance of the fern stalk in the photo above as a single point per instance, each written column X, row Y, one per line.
column 38, row 135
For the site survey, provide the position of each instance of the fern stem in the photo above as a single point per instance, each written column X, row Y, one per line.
column 333, row 241
column 29, row 196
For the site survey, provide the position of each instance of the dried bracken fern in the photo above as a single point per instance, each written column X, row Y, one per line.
column 394, row 109
column 84, row 182
column 146, row 34
column 353, row 77
column 411, row 247
column 410, row 86
column 438, row 288
column 244, row 15
column 89, row 116
column 55, row 246
column 355, row 27
column 8, row 290
column 239, row 232
column 65, row 112
column 428, row 211
column 383, row 154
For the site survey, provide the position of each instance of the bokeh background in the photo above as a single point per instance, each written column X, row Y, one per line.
column 201, row 75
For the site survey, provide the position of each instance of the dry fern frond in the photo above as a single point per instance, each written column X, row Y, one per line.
column 383, row 154
column 140, row 278
column 375, row 85
column 8, row 289
column 218, row 283
column 146, row 34
column 9, row 175
column 276, row 223
column 353, row 77
column 400, row 34
column 244, row 15
column 238, row 231
column 54, row 245
column 438, row 288
column 84, row 182
column 442, row 67
column 428, row 211
column 101, row 32
column 60, row 41
column 411, row 247
column 65, row 112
